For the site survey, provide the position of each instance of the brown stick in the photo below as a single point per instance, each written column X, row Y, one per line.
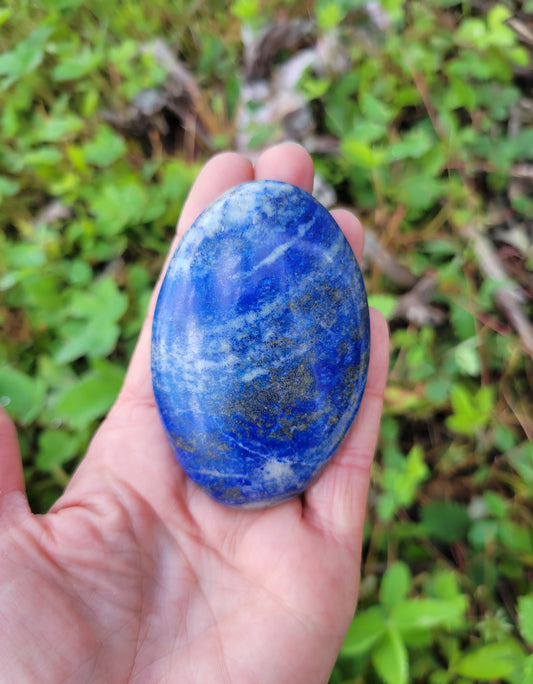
column 508, row 298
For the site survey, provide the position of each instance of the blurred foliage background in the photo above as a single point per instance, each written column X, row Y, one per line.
column 419, row 115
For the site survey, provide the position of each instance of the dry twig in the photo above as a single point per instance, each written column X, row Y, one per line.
column 378, row 256
column 415, row 306
column 508, row 298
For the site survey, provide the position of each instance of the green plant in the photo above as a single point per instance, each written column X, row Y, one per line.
column 87, row 219
column 384, row 633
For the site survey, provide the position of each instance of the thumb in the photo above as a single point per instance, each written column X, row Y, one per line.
column 11, row 474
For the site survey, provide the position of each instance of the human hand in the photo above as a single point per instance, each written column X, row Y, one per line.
column 135, row 575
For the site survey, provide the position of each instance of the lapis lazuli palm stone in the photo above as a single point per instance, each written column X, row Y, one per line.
column 260, row 344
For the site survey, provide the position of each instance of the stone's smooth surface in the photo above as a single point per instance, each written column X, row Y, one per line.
column 260, row 344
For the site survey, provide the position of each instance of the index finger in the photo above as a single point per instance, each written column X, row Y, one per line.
column 219, row 174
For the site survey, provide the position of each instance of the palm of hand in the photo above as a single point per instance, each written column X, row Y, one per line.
column 136, row 576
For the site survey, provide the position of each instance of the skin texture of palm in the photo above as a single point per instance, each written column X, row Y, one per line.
column 135, row 575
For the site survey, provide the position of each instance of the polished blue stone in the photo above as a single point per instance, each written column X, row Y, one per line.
column 260, row 344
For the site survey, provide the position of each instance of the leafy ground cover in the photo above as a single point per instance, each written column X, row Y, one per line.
column 420, row 116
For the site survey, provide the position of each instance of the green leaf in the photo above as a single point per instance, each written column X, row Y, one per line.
column 386, row 303
column 104, row 300
column 362, row 154
column 472, row 31
column 55, row 128
column 8, row 188
column 522, row 460
column 525, row 617
column 77, row 66
column 483, row 533
column 414, row 144
column 91, row 397
column 329, row 15
column 402, row 480
column 528, row 670
column 26, row 57
column 387, row 506
column 437, row 390
column 245, row 10
column 105, row 148
column 121, row 55
column 79, row 272
column 42, row 156
column 94, row 339
column 497, row 506
column 96, row 332
column 314, row 88
column 4, row 15
column 394, row 8
column 471, row 412
column 500, row 34
column 419, row 191
column 119, row 206
column 467, row 357
column 484, row 400
column 22, row 395
column 43, row 296
column 444, row 585
column 390, row 660
column 177, row 180
column 367, row 132
column 519, row 55
column 460, row 94
column 395, row 584
column 497, row 16
column 463, row 322
column 447, row 521
column 490, row 662
column 56, row 447
column 375, row 110
column 367, row 627
column 55, row 376
column 516, row 537
column 426, row 613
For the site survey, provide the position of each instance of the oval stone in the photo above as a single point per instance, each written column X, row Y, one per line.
column 260, row 344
